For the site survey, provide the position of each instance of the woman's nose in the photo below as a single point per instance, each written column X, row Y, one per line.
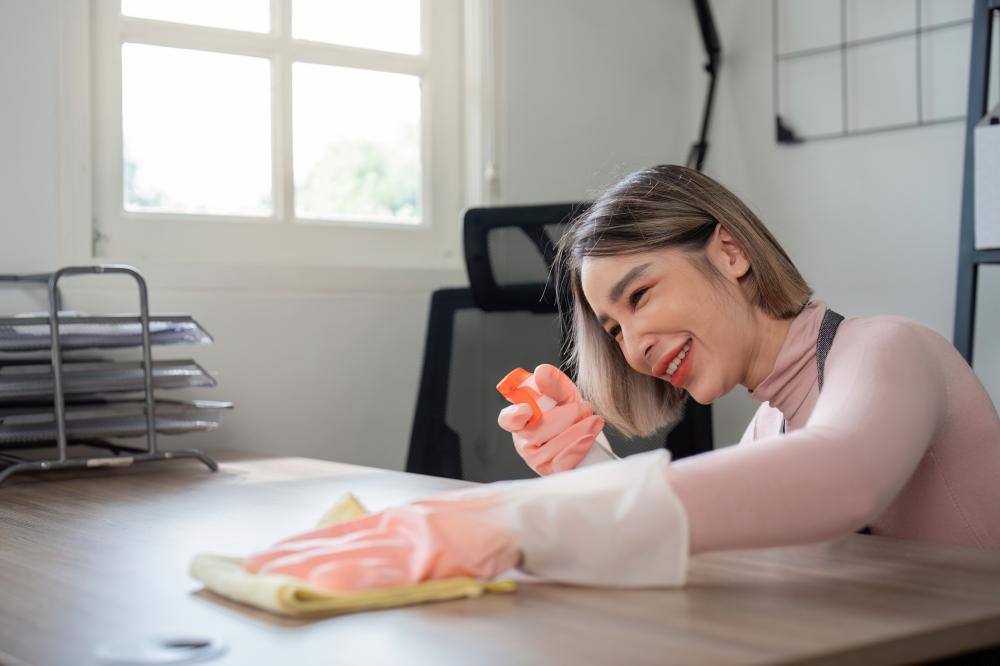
column 637, row 350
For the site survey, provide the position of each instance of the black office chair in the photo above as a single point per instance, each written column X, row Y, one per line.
column 509, row 251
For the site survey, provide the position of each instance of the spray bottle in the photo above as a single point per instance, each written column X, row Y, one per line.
column 519, row 387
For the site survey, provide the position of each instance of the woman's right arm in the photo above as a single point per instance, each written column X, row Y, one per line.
column 871, row 426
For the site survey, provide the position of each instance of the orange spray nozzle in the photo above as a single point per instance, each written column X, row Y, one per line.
column 511, row 388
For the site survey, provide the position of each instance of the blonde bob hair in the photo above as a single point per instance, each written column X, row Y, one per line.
column 661, row 207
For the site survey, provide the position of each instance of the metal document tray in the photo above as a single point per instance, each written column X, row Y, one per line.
column 18, row 334
column 31, row 381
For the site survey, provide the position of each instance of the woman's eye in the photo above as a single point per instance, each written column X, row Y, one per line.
column 637, row 296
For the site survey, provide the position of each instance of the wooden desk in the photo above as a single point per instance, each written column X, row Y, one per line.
column 91, row 556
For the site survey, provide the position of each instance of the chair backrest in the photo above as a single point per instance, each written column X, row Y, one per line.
column 482, row 233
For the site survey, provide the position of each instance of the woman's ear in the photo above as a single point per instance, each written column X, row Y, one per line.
column 726, row 254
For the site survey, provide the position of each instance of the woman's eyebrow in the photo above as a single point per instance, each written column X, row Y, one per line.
column 621, row 285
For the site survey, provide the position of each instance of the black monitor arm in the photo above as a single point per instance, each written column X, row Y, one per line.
column 710, row 38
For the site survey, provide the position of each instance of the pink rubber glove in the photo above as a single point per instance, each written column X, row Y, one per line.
column 562, row 437
column 618, row 523
column 450, row 536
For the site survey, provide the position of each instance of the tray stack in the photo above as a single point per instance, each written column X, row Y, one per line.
column 63, row 389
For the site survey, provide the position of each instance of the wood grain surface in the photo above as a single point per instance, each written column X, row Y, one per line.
column 93, row 555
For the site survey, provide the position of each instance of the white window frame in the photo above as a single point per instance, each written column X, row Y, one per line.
column 119, row 235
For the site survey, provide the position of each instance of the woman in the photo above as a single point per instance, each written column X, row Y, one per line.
column 678, row 289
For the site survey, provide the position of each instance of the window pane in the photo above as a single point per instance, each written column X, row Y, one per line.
column 250, row 15
column 196, row 132
column 386, row 25
column 356, row 143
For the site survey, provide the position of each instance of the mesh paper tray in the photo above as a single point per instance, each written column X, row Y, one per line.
column 117, row 419
column 20, row 334
column 29, row 382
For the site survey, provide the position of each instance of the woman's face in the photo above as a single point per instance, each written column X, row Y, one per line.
column 671, row 320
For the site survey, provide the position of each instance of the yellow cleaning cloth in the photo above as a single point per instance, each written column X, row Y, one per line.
column 286, row 595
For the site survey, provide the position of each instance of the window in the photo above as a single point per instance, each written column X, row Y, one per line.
column 316, row 132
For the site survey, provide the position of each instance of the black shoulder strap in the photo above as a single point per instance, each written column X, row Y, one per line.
column 827, row 330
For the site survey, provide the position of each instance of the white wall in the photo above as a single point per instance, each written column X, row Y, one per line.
column 590, row 91
column 28, row 187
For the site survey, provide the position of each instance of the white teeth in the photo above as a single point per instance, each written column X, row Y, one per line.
column 672, row 368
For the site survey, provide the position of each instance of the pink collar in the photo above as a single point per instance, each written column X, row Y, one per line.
column 794, row 372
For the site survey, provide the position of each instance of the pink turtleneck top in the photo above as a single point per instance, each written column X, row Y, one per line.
column 903, row 439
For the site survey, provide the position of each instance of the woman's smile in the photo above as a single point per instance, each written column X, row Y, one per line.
column 679, row 369
column 670, row 362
